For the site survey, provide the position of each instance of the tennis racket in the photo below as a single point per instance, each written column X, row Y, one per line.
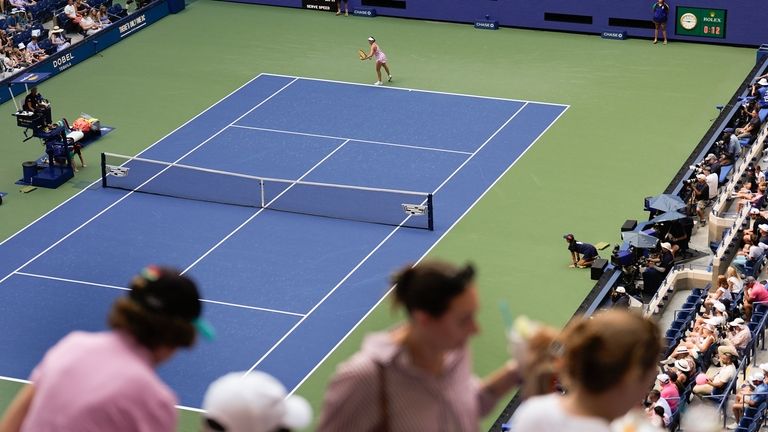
column 362, row 54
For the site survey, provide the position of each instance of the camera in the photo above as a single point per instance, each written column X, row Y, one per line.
column 689, row 182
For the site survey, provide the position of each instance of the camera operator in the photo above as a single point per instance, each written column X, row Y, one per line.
column 620, row 298
column 712, row 182
column 658, row 265
column 699, row 194
column 731, row 147
column 713, row 163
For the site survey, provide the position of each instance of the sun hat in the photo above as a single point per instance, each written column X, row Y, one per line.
column 56, row 29
column 255, row 402
column 727, row 349
column 662, row 378
column 682, row 365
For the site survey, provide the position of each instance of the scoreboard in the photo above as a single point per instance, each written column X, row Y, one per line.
column 701, row 22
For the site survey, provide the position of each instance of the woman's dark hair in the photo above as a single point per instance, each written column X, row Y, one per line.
column 160, row 309
column 659, row 411
column 150, row 329
column 430, row 286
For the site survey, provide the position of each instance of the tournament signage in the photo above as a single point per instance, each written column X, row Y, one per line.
column 90, row 46
column 321, row 5
column 701, row 22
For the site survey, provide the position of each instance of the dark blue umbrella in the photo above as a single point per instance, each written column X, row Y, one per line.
column 639, row 239
column 666, row 202
column 668, row 216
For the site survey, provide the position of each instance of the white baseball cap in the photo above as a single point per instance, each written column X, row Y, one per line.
column 256, row 402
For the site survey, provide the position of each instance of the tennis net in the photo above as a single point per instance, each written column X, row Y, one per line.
column 382, row 206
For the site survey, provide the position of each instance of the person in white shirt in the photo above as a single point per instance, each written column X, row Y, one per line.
column 606, row 363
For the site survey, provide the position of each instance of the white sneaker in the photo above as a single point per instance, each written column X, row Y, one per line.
column 732, row 426
column 389, row 79
column 377, row 83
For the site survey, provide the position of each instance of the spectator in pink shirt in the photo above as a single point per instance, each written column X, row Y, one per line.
column 97, row 382
column 669, row 391
column 754, row 292
column 418, row 376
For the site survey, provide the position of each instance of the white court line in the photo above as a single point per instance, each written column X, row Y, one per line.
column 381, row 243
column 420, row 91
column 24, row 381
column 263, row 208
column 81, row 282
column 141, row 152
column 131, row 193
column 384, row 296
column 352, row 139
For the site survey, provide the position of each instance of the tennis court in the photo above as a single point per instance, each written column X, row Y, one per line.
column 281, row 287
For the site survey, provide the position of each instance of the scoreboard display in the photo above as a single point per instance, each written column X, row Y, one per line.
column 701, row 22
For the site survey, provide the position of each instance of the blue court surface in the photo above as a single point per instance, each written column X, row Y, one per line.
column 281, row 288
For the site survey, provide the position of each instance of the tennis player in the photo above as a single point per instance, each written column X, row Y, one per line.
column 381, row 60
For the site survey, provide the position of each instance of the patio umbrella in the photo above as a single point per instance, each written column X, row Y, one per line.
column 668, row 216
column 666, row 202
column 639, row 239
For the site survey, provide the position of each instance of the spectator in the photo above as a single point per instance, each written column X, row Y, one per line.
column 88, row 24
column 722, row 376
column 252, row 402
column 734, row 280
column 58, row 39
column 750, row 129
column 606, row 363
column 660, row 16
column 659, row 419
column 582, row 254
column 655, row 401
column 82, row 8
column 754, row 292
column 103, row 16
column 22, row 4
column 106, row 381
column 755, row 393
column 700, row 191
column 35, row 49
column 750, row 258
column 681, row 352
column 684, row 369
column 722, row 294
column 738, row 335
column 393, row 381
column 755, row 220
column 701, row 338
column 71, row 12
column 668, row 390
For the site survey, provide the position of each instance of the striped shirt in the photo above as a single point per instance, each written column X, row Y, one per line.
column 417, row 401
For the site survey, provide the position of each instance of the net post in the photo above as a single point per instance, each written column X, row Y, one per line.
column 103, row 170
column 261, row 189
column 430, row 221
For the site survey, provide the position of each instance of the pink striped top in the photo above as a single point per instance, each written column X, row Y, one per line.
column 378, row 53
column 417, row 400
